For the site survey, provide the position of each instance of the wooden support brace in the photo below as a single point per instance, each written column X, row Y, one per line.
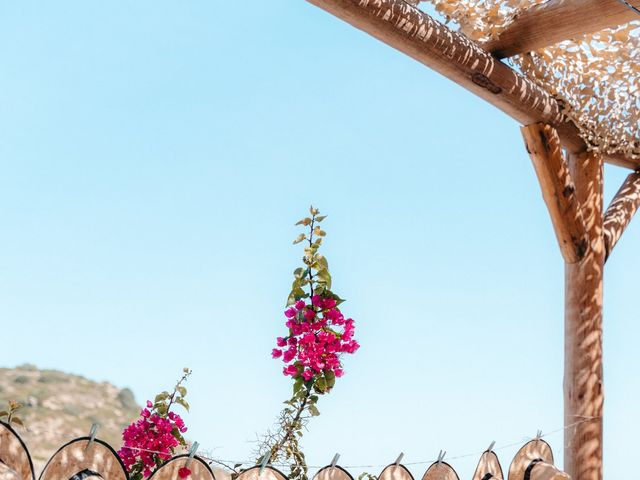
column 556, row 20
column 558, row 190
column 620, row 212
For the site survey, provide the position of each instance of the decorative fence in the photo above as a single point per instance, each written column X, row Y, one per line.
column 84, row 458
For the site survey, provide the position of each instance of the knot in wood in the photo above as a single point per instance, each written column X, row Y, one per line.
column 484, row 82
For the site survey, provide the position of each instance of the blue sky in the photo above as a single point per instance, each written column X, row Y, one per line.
column 154, row 158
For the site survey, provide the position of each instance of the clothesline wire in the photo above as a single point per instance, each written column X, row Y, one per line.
column 222, row 461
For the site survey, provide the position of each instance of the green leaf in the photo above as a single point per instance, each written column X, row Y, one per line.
column 323, row 276
column 313, row 410
column 161, row 408
column 182, row 390
column 299, row 238
column 320, row 263
column 313, row 211
column 183, row 402
column 321, row 385
column 331, row 378
column 161, row 396
column 17, row 421
column 4, row 413
column 300, row 272
column 319, row 218
column 305, row 221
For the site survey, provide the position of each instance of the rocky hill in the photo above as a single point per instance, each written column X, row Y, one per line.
column 59, row 407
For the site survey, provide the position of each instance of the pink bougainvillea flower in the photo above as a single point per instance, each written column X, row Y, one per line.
column 184, row 472
column 276, row 352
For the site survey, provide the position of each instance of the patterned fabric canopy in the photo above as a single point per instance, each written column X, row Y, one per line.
column 596, row 77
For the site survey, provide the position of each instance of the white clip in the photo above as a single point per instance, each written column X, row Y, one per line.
column 399, row 459
column 336, row 457
column 192, row 452
column 265, row 461
column 92, row 434
column 441, row 456
column 490, row 449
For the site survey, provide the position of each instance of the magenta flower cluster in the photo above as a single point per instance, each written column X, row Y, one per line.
column 318, row 336
column 150, row 440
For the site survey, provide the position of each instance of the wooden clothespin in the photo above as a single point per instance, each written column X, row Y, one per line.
column 336, row 457
column 192, row 452
column 441, row 456
column 490, row 449
column 399, row 459
column 265, row 461
column 92, row 434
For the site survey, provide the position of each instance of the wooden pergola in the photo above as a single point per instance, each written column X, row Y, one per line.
column 570, row 173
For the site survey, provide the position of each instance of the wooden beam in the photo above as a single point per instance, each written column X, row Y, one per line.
column 416, row 34
column 558, row 190
column 620, row 212
column 557, row 20
column 583, row 383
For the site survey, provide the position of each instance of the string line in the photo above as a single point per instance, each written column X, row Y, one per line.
column 422, row 462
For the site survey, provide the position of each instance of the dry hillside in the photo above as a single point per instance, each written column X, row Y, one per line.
column 59, row 407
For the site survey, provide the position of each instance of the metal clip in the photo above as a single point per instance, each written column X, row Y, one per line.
column 399, row 459
column 441, row 456
column 490, row 449
column 92, row 434
column 336, row 457
column 263, row 465
column 192, row 452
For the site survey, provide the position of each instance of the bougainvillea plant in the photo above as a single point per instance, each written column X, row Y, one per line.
column 154, row 437
column 318, row 335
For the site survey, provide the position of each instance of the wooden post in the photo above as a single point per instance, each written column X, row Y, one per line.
column 583, row 386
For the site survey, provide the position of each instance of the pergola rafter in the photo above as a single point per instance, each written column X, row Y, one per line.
column 557, row 20
column 423, row 38
column 571, row 182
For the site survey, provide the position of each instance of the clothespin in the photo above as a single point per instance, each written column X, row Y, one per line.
column 490, row 449
column 92, row 434
column 265, row 461
column 538, row 435
column 441, row 456
column 334, row 461
column 192, row 453
column 399, row 459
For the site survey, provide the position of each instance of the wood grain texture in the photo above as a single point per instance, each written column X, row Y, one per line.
column 557, row 20
column 583, row 381
column 418, row 35
column 558, row 190
column 620, row 212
